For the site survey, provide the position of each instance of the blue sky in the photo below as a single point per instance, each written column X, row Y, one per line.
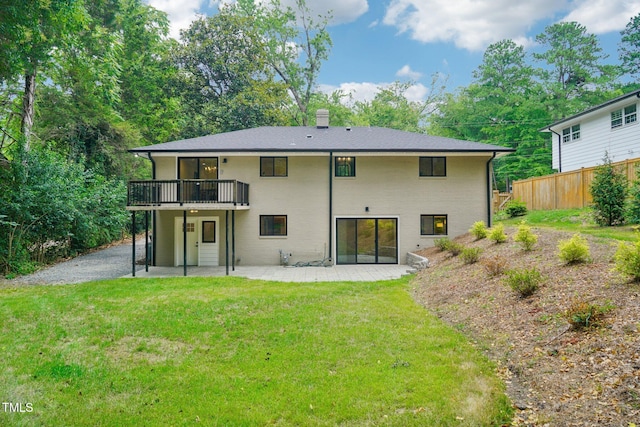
column 378, row 42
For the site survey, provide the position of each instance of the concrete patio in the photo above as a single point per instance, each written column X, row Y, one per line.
column 347, row 273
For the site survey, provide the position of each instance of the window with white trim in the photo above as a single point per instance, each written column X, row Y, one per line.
column 571, row 133
column 624, row 116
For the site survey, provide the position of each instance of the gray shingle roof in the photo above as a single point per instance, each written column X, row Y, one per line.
column 312, row 139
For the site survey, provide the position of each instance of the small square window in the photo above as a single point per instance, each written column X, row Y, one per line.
column 433, row 166
column 433, row 225
column 345, row 166
column 273, row 225
column 571, row 133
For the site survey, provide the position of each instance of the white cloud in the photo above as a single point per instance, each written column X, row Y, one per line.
column 469, row 24
column 406, row 71
column 603, row 16
column 181, row 13
column 342, row 11
column 366, row 91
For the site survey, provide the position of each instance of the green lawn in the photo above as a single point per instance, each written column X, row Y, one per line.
column 572, row 220
column 237, row 352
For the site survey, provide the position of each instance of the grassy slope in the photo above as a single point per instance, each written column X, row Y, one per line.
column 229, row 351
column 573, row 220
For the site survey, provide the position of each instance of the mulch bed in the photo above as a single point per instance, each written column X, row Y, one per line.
column 555, row 375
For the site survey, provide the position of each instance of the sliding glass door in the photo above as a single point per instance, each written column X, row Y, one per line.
column 367, row 240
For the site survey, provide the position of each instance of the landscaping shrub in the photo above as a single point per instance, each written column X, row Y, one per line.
column 495, row 265
column 582, row 314
column 609, row 192
column 479, row 230
column 470, row 255
column 497, row 234
column 442, row 243
column 515, row 208
column 525, row 237
column 524, row 282
column 632, row 211
column 627, row 259
column 455, row 248
column 574, row 250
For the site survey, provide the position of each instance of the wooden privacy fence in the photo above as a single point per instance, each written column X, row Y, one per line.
column 565, row 190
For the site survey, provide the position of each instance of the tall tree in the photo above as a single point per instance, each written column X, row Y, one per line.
column 629, row 47
column 297, row 45
column 147, row 73
column 30, row 31
column 224, row 79
column 573, row 70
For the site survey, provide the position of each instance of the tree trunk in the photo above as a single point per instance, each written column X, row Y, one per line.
column 28, row 106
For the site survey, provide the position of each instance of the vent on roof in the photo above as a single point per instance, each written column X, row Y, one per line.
column 322, row 119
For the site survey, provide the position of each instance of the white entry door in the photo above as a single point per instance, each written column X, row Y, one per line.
column 202, row 241
column 208, row 252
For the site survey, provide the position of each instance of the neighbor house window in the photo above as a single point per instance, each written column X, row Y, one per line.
column 433, row 225
column 571, row 133
column 433, row 166
column 345, row 166
column 273, row 166
column 273, row 225
column 624, row 116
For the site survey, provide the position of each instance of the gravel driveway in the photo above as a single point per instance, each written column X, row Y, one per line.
column 108, row 263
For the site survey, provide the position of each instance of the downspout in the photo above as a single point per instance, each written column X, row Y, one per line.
column 330, row 204
column 489, row 189
column 153, row 215
column 559, row 149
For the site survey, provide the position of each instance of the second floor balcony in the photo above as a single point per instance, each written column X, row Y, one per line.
column 226, row 194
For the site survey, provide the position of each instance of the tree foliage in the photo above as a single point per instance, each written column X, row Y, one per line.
column 296, row 45
column 629, row 47
column 225, row 80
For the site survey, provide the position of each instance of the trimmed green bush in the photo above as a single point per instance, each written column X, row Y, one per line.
column 470, row 255
column 524, row 282
column 525, row 237
column 574, row 250
column 497, row 234
column 479, row 230
column 627, row 259
column 515, row 208
column 442, row 243
column 456, row 248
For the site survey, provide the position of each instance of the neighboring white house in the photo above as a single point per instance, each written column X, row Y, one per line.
column 583, row 139
column 333, row 194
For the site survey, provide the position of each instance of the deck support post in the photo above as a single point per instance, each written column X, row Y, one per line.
column 233, row 240
column 133, row 243
column 184, row 242
column 226, row 240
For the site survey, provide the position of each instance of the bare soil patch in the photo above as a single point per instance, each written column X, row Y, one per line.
column 555, row 375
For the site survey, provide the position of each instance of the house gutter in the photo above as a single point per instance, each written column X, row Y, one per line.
column 559, row 149
column 489, row 192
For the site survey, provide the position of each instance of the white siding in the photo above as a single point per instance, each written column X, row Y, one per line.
column 596, row 139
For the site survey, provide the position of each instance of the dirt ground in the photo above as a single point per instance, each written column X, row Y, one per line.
column 555, row 375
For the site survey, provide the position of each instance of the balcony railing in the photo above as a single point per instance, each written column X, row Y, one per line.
column 187, row 191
